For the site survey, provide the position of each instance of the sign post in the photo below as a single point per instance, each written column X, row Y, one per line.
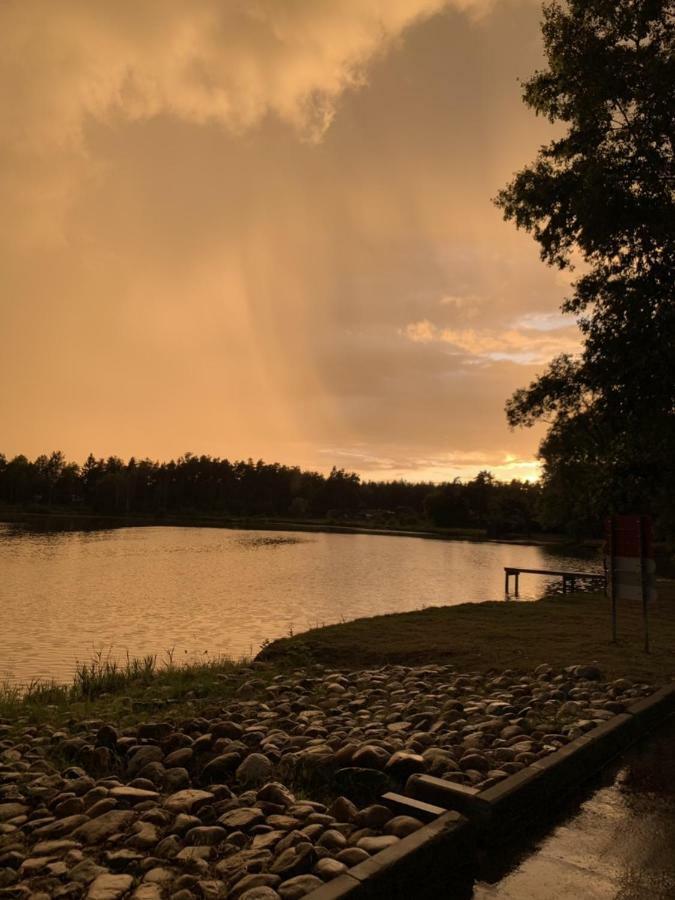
column 631, row 566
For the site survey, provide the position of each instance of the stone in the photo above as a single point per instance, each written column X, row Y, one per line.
column 402, row 826
column 220, row 767
column 403, row 764
column 343, row 810
column 133, row 795
column 101, row 828
column 109, row 887
column 352, row 856
column 245, row 817
column 259, row 893
column 294, row 861
column 206, row 835
column 297, row 887
column 328, row 868
column 143, row 756
column 147, row 892
column 369, row 756
column 254, row 881
column 61, row 827
column 376, row 843
column 188, row 801
column 273, row 792
column 86, row 871
column 255, row 769
column 144, row 837
column 374, row 816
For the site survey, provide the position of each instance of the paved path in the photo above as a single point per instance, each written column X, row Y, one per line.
column 619, row 844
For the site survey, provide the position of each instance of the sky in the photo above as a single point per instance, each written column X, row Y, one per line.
column 264, row 229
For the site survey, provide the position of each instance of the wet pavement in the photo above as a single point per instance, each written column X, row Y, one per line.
column 618, row 843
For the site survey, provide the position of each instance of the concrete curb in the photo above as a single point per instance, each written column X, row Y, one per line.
column 423, row 864
column 459, row 815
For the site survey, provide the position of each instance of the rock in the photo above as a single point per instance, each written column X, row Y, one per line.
column 101, row 828
column 402, row 826
column 145, row 836
column 352, row 856
column 243, row 818
column 369, row 756
column 297, row 887
column 343, row 810
column 273, row 792
column 332, row 840
column 86, row 871
column 376, row 843
column 402, row 764
column 147, row 892
column 255, row 769
column 374, row 816
column 60, row 827
column 106, row 737
column 327, row 869
column 359, row 783
column 588, row 673
column 220, row 767
column 206, row 835
column 248, row 882
column 109, row 887
column 259, row 893
column 188, row 801
column 132, row 795
column 474, row 761
column 141, row 757
column 294, row 861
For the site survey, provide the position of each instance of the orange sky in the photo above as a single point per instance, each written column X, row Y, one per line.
column 264, row 229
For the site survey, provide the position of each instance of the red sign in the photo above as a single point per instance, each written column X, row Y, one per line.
column 629, row 536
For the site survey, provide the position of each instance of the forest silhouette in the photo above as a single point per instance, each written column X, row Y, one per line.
column 209, row 486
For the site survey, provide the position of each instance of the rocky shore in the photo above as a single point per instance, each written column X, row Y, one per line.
column 273, row 791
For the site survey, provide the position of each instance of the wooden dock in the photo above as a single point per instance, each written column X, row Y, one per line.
column 569, row 579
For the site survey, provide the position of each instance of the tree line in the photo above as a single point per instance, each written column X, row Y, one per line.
column 209, row 486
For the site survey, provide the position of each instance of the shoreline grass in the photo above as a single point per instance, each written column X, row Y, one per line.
column 560, row 630
column 126, row 689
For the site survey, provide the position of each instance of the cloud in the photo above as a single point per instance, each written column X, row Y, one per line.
column 234, row 64
column 438, row 468
column 534, row 338
column 217, row 215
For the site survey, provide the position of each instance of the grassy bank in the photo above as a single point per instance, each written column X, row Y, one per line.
column 561, row 630
column 127, row 692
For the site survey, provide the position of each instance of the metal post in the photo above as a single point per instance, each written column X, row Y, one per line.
column 612, row 573
column 517, row 579
column 643, row 581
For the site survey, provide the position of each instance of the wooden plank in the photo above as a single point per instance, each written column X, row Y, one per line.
column 515, row 570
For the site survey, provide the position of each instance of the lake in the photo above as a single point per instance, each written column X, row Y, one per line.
column 210, row 591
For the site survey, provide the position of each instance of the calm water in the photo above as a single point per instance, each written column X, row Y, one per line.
column 66, row 595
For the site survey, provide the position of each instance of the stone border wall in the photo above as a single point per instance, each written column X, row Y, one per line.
column 441, row 854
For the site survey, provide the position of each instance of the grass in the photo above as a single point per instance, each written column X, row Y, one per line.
column 562, row 630
column 126, row 691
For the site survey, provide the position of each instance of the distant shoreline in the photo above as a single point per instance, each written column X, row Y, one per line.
column 69, row 521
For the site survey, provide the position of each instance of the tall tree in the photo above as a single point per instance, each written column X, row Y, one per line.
column 603, row 192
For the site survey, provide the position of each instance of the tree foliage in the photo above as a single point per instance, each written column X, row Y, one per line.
column 195, row 486
column 602, row 196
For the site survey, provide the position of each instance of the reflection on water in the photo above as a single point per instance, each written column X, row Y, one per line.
column 65, row 595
